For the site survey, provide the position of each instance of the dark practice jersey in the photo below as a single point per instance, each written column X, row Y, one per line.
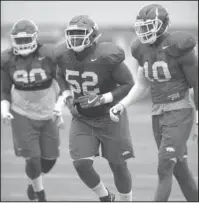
column 94, row 74
column 28, row 82
column 163, row 67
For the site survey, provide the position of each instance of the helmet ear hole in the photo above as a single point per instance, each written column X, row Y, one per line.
column 94, row 35
column 164, row 26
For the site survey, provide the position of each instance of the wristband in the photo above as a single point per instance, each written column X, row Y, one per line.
column 60, row 103
column 5, row 107
column 122, row 105
column 107, row 98
column 66, row 94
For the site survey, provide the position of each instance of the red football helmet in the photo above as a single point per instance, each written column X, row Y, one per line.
column 152, row 21
column 81, row 32
column 24, row 37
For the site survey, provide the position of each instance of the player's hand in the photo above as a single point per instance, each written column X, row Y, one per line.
column 58, row 118
column 195, row 132
column 74, row 112
column 90, row 100
column 115, row 112
column 7, row 117
column 71, row 104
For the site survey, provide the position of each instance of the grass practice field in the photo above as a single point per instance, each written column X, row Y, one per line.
column 63, row 184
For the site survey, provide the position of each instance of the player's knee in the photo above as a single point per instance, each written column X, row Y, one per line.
column 122, row 177
column 47, row 164
column 118, row 168
column 165, row 167
column 33, row 167
column 82, row 165
column 180, row 169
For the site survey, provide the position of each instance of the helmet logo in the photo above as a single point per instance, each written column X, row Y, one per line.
column 156, row 12
column 21, row 34
column 73, row 26
column 95, row 26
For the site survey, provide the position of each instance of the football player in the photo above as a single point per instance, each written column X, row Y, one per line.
column 29, row 92
column 98, row 79
column 168, row 67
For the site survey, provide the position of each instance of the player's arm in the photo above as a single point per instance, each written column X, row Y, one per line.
column 124, row 79
column 122, row 75
column 137, row 92
column 66, row 96
column 119, row 73
column 65, row 92
column 6, row 87
column 142, row 85
column 189, row 63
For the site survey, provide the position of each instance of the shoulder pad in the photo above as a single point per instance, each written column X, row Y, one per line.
column 135, row 49
column 60, row 49
column 47, row 50
column 179, row 43
column 111, row 53
column 5, row 56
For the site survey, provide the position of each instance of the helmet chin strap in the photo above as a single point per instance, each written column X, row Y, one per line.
column 152, row 42
column 157, row 36
column 25, row 52
column 95, row 40
column 78, row 49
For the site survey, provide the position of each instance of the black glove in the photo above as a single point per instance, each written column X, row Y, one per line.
column 90, row 100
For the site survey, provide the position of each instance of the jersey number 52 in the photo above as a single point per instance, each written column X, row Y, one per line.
column 90, row 80
column 159, row 71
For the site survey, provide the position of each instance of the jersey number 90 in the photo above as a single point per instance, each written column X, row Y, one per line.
column 159, row 71
column 24, row 77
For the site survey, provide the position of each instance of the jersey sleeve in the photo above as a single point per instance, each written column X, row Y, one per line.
column 6, row 80
column 180, row 43
column 189, row 64
column 60, row 75
column 58, row 52
column 113, row 54
column 122, row 75
column 61, row 80
column 48, row 50
column 135, row 49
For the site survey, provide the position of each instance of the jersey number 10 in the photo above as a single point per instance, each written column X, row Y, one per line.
column 159, row 71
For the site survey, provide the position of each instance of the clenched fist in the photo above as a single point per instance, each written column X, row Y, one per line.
column 115, row 112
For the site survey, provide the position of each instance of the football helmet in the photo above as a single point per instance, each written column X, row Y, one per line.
column 24, row 37
column 81, row 32
column 151, row 22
